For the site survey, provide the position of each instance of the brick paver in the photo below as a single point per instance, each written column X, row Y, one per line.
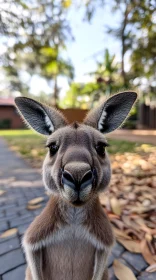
column 16, row 274
column 21, row 184
column 9, row 245
column 11, row 260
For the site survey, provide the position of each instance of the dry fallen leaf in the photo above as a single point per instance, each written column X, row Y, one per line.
column 7, row 181
column 151, row 247
column 9, row 232
column 34, row 207
column 134, row 234
column 142, row 209
column 120, row 234
column 2, row 192
column 146, row 202
column 126, row 220
column 36, row 200
column 123, row 272
column 112, row 216
column 131, row 245
column 146, row 252
column 133, row 188
column 148, row 237
column 47, row 193
column 118, row 223
column 151, row 268
column 148, row 230
column 115, row 205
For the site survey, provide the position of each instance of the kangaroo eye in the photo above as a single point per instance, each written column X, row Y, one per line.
column 100, row 148
column 53, row 148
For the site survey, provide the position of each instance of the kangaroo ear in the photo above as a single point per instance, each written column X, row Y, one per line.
column 40, row 117
column 110, row 115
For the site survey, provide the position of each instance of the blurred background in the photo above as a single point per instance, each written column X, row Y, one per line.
column 73, row 54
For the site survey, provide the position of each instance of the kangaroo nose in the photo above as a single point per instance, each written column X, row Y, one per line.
column 68, row 179
column 87, row 179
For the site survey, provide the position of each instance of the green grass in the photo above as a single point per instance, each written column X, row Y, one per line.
column 122, row 146
column 18, row 133
column 32, row 145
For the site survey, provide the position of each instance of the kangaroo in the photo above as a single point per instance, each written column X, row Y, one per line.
column 72, row 238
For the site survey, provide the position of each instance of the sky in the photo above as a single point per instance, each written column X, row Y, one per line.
column 89, row 39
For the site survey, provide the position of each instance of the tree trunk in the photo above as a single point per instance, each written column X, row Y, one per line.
column 122, row 61
column 123, row 43
column 55, row 95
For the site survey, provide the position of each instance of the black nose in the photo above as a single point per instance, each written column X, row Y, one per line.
column 87, row 179
column 68, row 179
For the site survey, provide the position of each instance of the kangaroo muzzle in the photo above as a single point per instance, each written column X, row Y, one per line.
column 77, row 191
column 70, row 181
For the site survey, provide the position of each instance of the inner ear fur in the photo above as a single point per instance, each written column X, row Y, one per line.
column 112, row 113
column 42, row 118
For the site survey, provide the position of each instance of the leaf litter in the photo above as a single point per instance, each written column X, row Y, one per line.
column 35, row 203
column 130, row 205
column 122, row 272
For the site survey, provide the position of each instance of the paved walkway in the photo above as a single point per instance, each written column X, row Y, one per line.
column 137, row 135
column 21, row 184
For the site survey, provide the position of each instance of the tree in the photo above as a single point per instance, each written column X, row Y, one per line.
column 106, row 78
column 136, row 32
column 38, row 31
column 143, row 56
column 106, row 72
column 79, row 95
column 137, row 19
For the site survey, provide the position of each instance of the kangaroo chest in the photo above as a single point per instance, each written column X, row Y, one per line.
column 69, row 257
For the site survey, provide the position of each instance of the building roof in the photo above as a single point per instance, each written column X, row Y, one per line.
column 7, row 101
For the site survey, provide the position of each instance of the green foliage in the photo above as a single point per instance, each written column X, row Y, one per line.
column 35, row 35
column 144, row 53
column 122, row 146
column 38, row 32
column 106, row 79
column 136, row 32
column 107, row 73
column 79, row 95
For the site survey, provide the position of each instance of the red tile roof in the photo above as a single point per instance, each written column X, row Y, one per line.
column 8, row 101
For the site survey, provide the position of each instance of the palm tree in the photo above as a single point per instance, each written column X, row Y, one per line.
column 106, row 71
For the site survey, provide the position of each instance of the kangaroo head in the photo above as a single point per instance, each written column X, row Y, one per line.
column 77, row 166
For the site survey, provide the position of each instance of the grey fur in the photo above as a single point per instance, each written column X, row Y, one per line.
column 40, row 117
column 66, row 242
column 112, row 113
